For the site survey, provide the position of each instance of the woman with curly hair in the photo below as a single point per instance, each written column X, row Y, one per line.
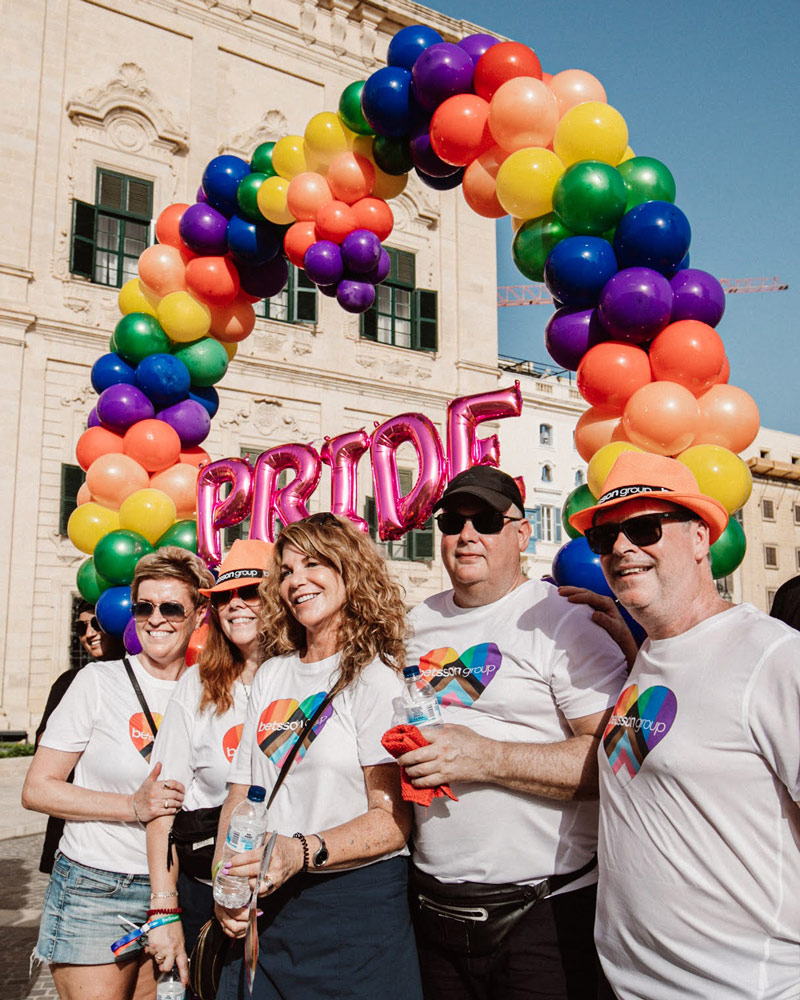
column 335, row 913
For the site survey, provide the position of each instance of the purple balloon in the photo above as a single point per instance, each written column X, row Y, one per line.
column 441, row 183
column 323, row 262
column 329, row 290
column 190, row 419
column 570, row 333
column 440, row 72
column 131, row 639
column 93, row 420
column 203, row 229
column 635, row 304
column 476, row 45
column 697, row 295
column 361, row 251
column 381, row 270
column 355, row 296
column 423, row 156
column 264, row 280
column 121, row 406
column 201, row 196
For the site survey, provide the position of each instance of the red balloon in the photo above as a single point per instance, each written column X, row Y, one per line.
column 594, row 429
column 502, row 62
column 459, row 129
column 690, row 353
column 196, row 456
column 297, row 240
column 334, row 221
column 234, row 322
column 153, row 444
column 167, row 226
column 213, row 280
column 610, row 373
column 95, row 442
column 729, row 417
column 197, row 641
column 662, row 417
column 479, row 183
column 374, row 214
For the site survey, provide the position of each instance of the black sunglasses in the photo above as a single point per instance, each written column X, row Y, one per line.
column 485, row 522
column 81, row 626
column 643, row 530
column 248, row 594
column 171, row 611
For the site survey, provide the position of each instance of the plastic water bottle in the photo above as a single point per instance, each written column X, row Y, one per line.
column 420, row 704
column 169, row 986
column 247, row 830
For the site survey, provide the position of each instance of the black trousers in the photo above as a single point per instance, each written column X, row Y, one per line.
column 197, row 903
column 549, row 955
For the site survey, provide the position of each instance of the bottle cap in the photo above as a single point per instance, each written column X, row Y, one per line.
column 257, row 793
column 409, row 672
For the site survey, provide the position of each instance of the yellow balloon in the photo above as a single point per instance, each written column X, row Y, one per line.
column 132, row 299
column 325, row 137
column 150, row 512
column 591, row 131
column 362, row 144
column 89, row 523
column 288, row 157
column 627, row 155
column 230, row 349
column 517, row 223
column 183, row 318
column 388, row 186
column 719, row 474
column 271, row 199
column 525, row 182
column 600, row 464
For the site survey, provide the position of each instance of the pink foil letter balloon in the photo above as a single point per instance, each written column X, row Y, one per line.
column 464, row 448
column 214, row 512
column 342, row 454
column 287, row 503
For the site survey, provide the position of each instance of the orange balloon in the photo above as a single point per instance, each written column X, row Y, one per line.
column 523, row 113
column 234, row 322
column 690, row 353
column 307, row 193
column 729, row 417
column 594, row 429
column 479, row 184
column 374, row 214
column 351, row 177
column 610, row 373
column 153, row 444
column 459, row 129
column 84, row 495
column 180, row 483
column 574, row 86
column 662, row 417
column 196, row 456
column 197, row 641
column 95, row 442
column 297, row 239
column 213, row 280
column 168, row 226
column 162, row 269
column 334, row 221
column 725, row 374
column 112, row 478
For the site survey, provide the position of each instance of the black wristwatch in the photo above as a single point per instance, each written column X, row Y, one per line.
column 321, row 857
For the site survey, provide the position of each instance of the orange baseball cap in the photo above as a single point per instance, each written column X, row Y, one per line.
column 247, row 562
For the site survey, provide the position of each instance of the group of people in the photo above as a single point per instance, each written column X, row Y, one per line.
column 683, row 876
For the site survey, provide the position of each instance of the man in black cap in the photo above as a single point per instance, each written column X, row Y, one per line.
column 504, row 877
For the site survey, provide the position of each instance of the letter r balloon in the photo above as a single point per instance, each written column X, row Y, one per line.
column 215, row 512
column 285, row 503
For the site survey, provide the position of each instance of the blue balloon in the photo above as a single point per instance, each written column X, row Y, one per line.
column 221, row 178
column 386, row 101
column 110, row 369
column 409, row 43
column 638, row 633
column 654, row 234
column 575, row 565
column 254, row 242
column 164, row 379
column 577, row 269
column 207, row 396
column 441, row 183
column 113, row 610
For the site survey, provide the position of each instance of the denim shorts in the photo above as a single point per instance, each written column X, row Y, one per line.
column 80, row 915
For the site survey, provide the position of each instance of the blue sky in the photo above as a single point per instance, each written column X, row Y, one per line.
column 711, row 88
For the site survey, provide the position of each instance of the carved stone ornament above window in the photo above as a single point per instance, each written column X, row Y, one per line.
column 265, row 415
column 272, row 126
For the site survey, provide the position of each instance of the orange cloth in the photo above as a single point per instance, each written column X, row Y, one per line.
column 399, row 740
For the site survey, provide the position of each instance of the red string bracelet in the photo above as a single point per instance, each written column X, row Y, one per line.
column 153, row 913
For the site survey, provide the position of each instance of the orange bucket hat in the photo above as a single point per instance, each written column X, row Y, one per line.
column 247, row 562
column 642, row 474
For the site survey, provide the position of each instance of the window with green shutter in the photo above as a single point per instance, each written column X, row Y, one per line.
column 402, row 315
column 72, row 478
column 416, row 545
column 297, row 303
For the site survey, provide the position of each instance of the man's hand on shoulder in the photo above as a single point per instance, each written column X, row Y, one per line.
column 455, row 753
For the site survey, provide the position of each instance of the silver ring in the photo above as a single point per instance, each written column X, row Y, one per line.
column 168, row 786
column 268, row 884
column 166, row 804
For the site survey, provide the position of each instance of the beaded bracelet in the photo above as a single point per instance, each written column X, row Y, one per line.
column 136, row 813
column 153, row 913
column 306, row 852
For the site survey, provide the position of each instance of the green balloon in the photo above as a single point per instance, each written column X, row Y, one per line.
column 116, row 555
column 139, row 335
column 392, row 155
column 182, row 533
column 728, row 550
column 350, row 109
column 262, row 160
column 533, row 242
column 590, row 197
column 90, row 584
column 646, row 179
column 246, row 196
column 206, row 359
column 580, row 498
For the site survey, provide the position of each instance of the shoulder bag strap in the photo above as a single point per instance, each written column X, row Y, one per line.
column 142, row 700
column 299, row 742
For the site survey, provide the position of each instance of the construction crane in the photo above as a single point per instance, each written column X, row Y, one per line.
column 538, row 295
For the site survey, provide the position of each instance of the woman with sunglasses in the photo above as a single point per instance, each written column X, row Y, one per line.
column 104, row 729
column 196, row 743
column 335, row 908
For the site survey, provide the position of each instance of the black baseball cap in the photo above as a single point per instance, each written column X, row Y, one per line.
column 496, row 488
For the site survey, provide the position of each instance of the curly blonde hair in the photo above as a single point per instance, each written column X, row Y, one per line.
column 373, row 620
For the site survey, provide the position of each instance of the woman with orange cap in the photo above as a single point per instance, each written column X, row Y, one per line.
column 195, row 745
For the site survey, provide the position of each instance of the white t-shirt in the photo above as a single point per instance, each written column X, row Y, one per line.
column 100, row 717
column 514, row 671
column 699, row 893
column 196, row 748
column 325, row 784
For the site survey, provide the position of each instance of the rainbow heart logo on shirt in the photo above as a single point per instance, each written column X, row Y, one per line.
column 461, row 680
column 282, row 722
column 637, row 725
column 141, row 734
column 230, row 741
